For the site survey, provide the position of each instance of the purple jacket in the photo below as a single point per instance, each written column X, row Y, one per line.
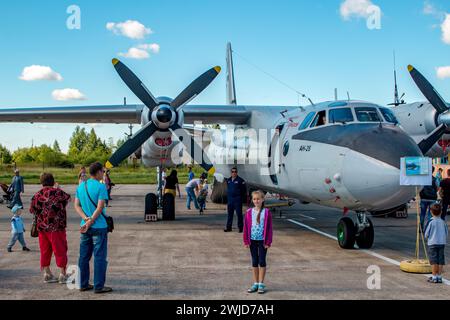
column 268, row 233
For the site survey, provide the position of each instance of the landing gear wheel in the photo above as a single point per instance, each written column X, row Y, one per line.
column 346, row 233
column 168, row 207
column 151, row 204
column 219, row 192
column 365, row 238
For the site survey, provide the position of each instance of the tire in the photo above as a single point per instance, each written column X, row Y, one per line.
column 219, row 192
column 151, row 204
column 365, row 238
column 168, row 207
column 346, row 233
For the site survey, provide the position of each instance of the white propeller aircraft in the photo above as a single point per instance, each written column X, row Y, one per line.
column 341, row 154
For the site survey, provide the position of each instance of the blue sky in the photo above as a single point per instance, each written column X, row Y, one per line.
column 305, row 43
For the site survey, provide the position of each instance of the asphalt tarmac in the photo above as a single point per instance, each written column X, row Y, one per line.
column 192, row 258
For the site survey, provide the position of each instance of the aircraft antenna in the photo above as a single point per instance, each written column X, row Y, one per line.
column 396, row 98
column 274, row 78
column 348, row 96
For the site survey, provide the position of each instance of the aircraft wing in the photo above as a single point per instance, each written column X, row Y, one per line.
column 227, row 114
column 208, row 114
column 70, row 114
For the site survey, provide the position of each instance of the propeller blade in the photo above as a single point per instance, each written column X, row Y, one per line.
column 131, row 145
column 426, row 144
column 195, row 150
column 135, row 84
column 197, row 86
column 428, row 90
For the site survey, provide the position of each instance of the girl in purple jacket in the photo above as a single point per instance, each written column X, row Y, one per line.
column 258, row 237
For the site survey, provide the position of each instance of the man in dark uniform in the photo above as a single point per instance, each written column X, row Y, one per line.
column 236, row 195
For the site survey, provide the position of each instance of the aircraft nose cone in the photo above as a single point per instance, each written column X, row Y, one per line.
column 164, row 114
column 372, row 168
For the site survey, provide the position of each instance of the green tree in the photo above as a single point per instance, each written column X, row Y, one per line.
column 6, row 156
column 56, row 147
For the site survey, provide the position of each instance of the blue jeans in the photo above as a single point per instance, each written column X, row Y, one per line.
column 14, row 238
column 425, row 210
column 191, row 197
column 94, row 241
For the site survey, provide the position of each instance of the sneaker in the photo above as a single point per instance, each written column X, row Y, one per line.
column 261, row 288
column 439, row 280
column 103, row 290
column 432, row 280
column 49, row 278
column 227, row 230
column 64, row 279
column 241, row 230
column 25, row 249
column 253, row 288
column 88, row 288
column 9, row 249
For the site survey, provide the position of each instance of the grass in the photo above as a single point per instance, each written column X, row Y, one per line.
column 120, row 175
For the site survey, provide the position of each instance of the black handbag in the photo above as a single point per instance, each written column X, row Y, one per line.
column 109, row 220
column 34, row 233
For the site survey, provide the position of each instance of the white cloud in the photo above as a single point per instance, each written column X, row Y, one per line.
column 68, row 94
column 37, row 73
column 135, row 53
column 445, row 27
column 443, row 72
column 355, row 8
column 153, row 47
column 429, row 9
column 142, row 51
column 131, row 28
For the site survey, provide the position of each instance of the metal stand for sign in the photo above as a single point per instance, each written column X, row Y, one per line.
column 417, row 265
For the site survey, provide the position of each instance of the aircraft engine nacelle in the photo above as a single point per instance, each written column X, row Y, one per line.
column 158, row 147
column 417, row 119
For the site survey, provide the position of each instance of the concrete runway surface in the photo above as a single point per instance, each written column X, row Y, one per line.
column 192, row 258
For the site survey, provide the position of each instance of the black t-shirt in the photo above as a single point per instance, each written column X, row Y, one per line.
column 171, row 182
column 445, row 185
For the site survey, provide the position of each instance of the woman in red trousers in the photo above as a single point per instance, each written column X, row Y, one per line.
column 49, row 207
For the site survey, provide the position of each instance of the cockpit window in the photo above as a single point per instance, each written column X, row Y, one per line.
column 319, row 120
column 367, row 114
column 341, row 115
column 388, row 115
column 307, row 121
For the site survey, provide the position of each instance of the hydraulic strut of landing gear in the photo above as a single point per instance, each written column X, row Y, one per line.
column 159, row 201
column 361, row 232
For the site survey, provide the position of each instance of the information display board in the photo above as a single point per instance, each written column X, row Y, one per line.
column 415, row 171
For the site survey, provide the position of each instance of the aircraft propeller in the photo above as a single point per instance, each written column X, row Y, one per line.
column 164, row 115
column 438, row 103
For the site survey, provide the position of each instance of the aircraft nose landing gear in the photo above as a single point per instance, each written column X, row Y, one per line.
column 361, row 232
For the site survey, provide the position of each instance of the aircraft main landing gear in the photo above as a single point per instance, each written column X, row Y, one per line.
column 361, row 232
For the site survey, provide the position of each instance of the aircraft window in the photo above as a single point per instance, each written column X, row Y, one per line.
column 286, row 148
column 319, row 120
column 342, row 115
column 307, row 121
column 388, row 115
column 367, row 114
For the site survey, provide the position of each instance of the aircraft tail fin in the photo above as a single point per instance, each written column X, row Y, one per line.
column 231, row 90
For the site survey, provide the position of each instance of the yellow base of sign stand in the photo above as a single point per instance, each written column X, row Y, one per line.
column 417, row 265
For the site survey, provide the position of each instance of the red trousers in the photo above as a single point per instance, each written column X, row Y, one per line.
column 53, row 242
